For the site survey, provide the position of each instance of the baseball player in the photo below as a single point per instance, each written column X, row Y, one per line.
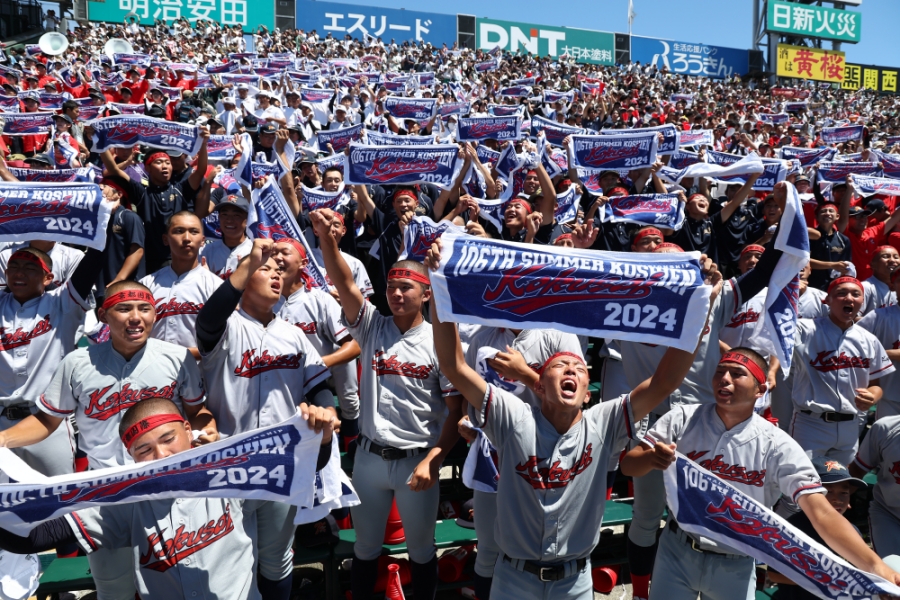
column 221, row 256
column 408, row 416
column 728, row 439
column 880, row 452
column 884, row 324
column 553, row 461
column 65, row 260
column 318, row 315
column 259, row 369
column 878, row 291
column 836, row 382
column 181, row 288
column 98, row 383
column 178, row 548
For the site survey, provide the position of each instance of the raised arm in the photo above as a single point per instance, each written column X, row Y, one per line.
column 5, row 175
column 337, row 268
column 111, row 169
column 739, row 197
column 196, row 178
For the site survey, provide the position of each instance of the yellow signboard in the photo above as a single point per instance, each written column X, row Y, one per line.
column 810, row 63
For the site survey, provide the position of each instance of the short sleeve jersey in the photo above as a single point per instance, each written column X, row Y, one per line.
column 739, row 330
column 880, row 452
column 318, row 315
column 259, row 374
column 222, row 260
column 877, row 294
column 832, row 363
column 884, row 324
column 98, row 385
column 179, row 299
column 811, row 305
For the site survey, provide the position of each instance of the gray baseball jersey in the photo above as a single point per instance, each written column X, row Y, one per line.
column 34, row 337
column 755, row 457
column 65, row 261
column 811, row 304
column 547, row 508
column 641, row 360
column 258, row 374
column 360, row 276
column 877, row 294
column 184, row 548
column 738, row 331
column 833, row 363
column 536, row 346
column 401, row 390
column 222, row 260
column 178, row 301
column 98, row 385
column 884, row 324
column 880, row 452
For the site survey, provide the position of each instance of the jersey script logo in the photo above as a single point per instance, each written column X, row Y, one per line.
column 252, row 365
column 736, row 473
column 163, row 554
column 101, row 409
column 21, row 337
column 392, row 366
column 827, row 361
column 554, row 476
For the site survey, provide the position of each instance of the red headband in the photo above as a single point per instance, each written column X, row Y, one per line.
column 134, row 432
column 746, row 362
column 881, row 248
column 669, row 245
column 339, row 217
column 409, row 193
column 408, row 274
column 29, row 257
column 753, row 248
column 645, row 232
column 841, row 280
column 525, row 204
column 826, row 204
column 128, row 296
column 295, row 244
column 618, row 190
column 151, row 157
column 547, row 362
column 565, row 236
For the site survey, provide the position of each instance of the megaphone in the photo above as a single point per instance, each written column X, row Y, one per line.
column 117, row 46
column 53, row 43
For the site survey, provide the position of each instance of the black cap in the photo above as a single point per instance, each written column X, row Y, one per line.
column 832, row 471
column 857, row 211
column 66, row 118
column 156, row 111
column 874, row 205
column 39, row 158
column 250, row 123
column 269, row 128
column 236, row 200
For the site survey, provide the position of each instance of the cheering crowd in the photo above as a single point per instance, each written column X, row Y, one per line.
column 207, row 321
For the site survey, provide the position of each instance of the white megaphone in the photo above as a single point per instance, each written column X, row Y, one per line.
column 53, row 43
column 117, row 46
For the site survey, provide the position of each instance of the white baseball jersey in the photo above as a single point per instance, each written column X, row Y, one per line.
column 184, row 548
column 401, row 390
column 640, row 360
column 833, row 363
column 884, row 324
column 259, row 374
column 317, row 314
column 98, row 385
column 360, row 276
column 222, row 260
column 34, row 337
column 536, row 346
column 547, row 507
column 738, row 331
column 877, row 294
column 880, row 452
column 811, row 304
column 179, row 299
column 65, row 261
column 756, row 457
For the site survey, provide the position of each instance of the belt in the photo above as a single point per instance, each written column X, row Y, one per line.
column 831, row 417
column 17, row 412
column 554, row 573
column 387, row 452
column 694, row 544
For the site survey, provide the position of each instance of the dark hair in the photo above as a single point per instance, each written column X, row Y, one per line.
column 753, row 355
column 146, row 408
column 38, row 253
column 182, row 213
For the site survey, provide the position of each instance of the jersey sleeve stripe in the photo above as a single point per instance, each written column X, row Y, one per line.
column 889, row 365
column 626, row 407
column 53, row 410
column 339, row 332
column 315, row 378
column 84, row 532
column 362, row 311
column 860, row 462
column 807, row 489
column 192, row 401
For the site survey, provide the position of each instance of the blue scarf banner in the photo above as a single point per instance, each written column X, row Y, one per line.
column 590, row 179
column 271, row 218
column 221, row 147
column 73, row 213
column 402, row 165
column 111, row 81
column 127, row 109
column 420, row 234
column 775, row 118
column 567, row 203
column 553, row 96
column 505, row 110
column 227, row 67
column 211, row 227
column 16, row 124
column 486, row 155
column 697, row 137
column 303, row 78
column 142, row 60
column 516, row 91
column 336, row 161
column 852, row 157
column 774, row 170
column 395, row 87
column 705, row 506
column 477, row 129
column 492, row 211
column 89, row 113
column 796, row 106
column 129, row 130
column 807, row 156
column 239, row 78
column 671, row 135
column 890, row 163
column 487, row 65
column 555, row 132
column 524, row 81
column 455, row 108
column 47, row 175
column 314, row 199
column 664, row 210
column 688, row 99
column 480, row 469
column 839, row 135
column 632, row 150
column 868, row 186
column 892, row 140
column 338, row 138
column 658, row 299
column 683, row 159
column 308, row 94
column 49, row 101
column 271, row 463
column 9, row 104
column 419, row 109
column 508, row 162
column 389, row 139
column 242, row 55
column 836, row 172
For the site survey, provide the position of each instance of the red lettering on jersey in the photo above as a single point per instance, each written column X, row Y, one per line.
column 895, row 471
column 823, row 362
column 308, row 328
column 748, row 316
column 167, row 553
column 252, row 365
column 102, row 409
column 20, row 337
column 736, row 473
column 174, row 307
column 392, row 366
column 544, row 478
column 226, row 274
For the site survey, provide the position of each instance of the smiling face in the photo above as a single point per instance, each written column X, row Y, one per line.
column 827, row 216
column 332, row 180
column 232, row 223
column 289, row 262
column 130, row 324
column 697, row 207
column 885, row 262
column 26, row 279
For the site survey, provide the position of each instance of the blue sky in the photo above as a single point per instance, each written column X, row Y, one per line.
column 715, row 22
